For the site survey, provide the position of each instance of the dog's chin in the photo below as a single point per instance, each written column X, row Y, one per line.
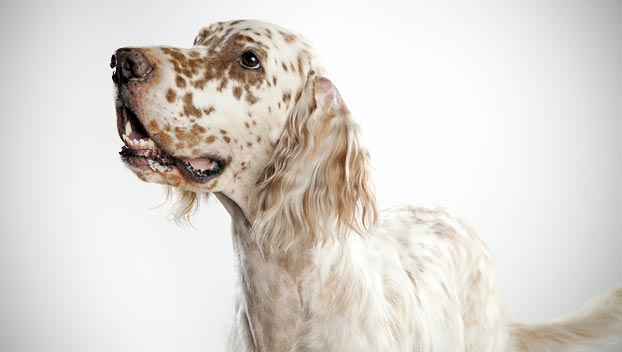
column 151, row 171
column 151, row 163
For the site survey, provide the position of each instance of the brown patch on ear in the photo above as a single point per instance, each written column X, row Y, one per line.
column 316, row 187
column 286, row 97
column 210, row 139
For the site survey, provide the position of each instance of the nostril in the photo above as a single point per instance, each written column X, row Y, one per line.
column 113, row 61
column 131, row 64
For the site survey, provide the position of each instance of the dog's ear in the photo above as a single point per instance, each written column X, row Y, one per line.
column 316, row 187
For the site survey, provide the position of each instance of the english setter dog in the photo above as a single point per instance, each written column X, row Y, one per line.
column 248, row 115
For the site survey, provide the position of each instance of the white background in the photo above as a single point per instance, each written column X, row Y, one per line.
column 509, row 114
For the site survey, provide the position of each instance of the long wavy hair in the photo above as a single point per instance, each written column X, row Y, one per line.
column 316, row 187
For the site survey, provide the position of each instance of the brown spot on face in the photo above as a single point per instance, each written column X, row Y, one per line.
column 212, row 185
column 284, row 66
column 223, row 132
column 248, row 125
column 274, row 80
column 247, row 39
column 189, row 108
column 222, row 85
column 237, row 92
column 209, row 110
column 196, row 128
column 174, row 181
column 251, row 99
column 289, row 38
column 210, row 139
column 153, row 124
column 227, row 139
column 170, row 95
column 249, row 144
column 200, row 83
column 180, row 81
column 258, row 139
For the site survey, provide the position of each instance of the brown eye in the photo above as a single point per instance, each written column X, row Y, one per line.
column 249, row 60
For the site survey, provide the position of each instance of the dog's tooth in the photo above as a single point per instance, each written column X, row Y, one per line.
column 141, row 143
column 128, row 128
column 150, row 143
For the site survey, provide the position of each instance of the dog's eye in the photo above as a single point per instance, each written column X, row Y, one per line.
column 249, row 60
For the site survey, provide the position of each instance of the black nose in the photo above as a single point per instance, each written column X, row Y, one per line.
column 130, row 64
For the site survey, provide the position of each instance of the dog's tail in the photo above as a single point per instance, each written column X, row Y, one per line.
column 598, row 322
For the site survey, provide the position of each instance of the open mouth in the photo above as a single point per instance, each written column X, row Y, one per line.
column 141, row 151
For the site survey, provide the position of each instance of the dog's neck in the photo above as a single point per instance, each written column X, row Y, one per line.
column 270, row 287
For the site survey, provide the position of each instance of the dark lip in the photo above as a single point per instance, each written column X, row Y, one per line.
column 139, row 156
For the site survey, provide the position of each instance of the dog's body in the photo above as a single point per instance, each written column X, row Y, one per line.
column 421, row 282
column 246, row 114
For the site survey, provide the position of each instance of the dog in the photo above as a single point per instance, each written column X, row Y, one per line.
column 247, row 114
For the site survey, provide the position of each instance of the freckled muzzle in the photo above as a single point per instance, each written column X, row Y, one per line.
column 131, row 75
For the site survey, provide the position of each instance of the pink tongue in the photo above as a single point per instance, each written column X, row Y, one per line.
column 201, row 163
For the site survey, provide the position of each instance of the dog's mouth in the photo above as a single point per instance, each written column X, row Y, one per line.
column 141, row 151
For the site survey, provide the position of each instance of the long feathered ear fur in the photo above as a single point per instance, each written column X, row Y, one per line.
column 316, row 187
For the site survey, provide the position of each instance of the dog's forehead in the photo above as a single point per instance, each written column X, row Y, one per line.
column 265, row 35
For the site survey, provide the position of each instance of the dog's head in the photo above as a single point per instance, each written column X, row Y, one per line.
column 234, row 112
